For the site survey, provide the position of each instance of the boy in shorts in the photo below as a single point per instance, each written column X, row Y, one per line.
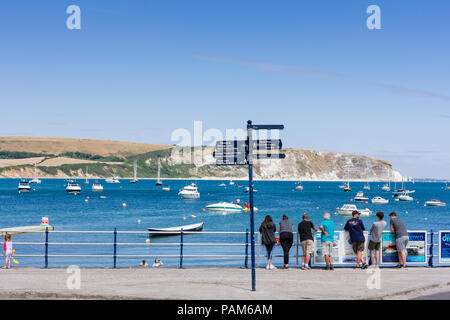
column 376, row 232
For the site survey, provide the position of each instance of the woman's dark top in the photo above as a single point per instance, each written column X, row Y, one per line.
column 268, row 234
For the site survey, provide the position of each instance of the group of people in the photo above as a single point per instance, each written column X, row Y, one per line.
column 158, row 263
column 355, row 228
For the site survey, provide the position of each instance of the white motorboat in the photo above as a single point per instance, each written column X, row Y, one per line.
column 447, row 187
column 435, row 203
column 73, row 188
column 166, row 188
column 247, row 190
column 224, row 207
column 347, row 210
column 112, row 180
column 222, row 185
column 158, row 181
column 231, row 183
column 35, row 179
column 366, row 186
column 97, row 187
column 360, row 197
column 405, row 197
column 189, row 192
column 24, row 186
column 379, row 200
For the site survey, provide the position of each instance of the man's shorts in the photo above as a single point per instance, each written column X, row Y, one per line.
column 374, row 245
column 358, row 246
column 401, row 243
column 327, row 248
column 308, row 247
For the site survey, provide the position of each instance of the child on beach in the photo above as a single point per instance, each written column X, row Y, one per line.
column 7, row 247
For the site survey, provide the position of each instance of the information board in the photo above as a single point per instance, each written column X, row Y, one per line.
column 444, row 246
column 416, row 252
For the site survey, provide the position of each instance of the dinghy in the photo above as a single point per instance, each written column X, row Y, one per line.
column 174, row 231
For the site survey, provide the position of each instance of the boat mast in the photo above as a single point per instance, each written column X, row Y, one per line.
column 135, row 170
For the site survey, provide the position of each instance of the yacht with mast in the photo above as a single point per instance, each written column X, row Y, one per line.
column 159, row 182
column 347, row 184
column 298, row 185
column 35, row 179
column 86, row 180
column 134, row 180
column 402, row 190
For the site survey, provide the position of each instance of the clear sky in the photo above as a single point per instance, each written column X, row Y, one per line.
column 137, row 70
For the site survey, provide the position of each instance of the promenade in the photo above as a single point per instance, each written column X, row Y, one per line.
column 222, row 284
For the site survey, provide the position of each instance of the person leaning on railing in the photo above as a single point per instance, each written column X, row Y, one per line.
column 306, row 240
column 285, row 228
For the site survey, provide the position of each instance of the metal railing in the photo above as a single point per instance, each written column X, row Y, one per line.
column 182, row 244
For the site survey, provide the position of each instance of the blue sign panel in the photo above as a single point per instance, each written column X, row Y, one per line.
column 444, row 247
column 415, row 250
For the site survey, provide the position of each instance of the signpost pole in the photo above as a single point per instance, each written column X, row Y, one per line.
column 252, row 213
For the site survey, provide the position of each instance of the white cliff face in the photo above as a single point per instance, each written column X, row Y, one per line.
column 298, row 165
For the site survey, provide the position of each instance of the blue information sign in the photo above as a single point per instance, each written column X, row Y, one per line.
column 444, row 247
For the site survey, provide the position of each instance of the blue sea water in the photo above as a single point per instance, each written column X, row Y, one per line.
column 155, row 208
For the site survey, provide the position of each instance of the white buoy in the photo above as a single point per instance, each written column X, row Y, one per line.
column 147, row 240
column 426, row 219
column 124, row 204
column 139, row 221
column 193, row 216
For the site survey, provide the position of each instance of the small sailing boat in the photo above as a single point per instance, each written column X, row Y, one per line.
column 159, row 182
column 298, row 185
column 347, row 185
column 134, row 173
column 366, row 186
column 35, row 179
column 86, row 181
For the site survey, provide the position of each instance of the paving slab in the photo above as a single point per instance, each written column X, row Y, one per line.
column 222, row 283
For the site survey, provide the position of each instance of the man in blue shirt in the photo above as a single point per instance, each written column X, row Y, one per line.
column 356, row 228
column 327, row 240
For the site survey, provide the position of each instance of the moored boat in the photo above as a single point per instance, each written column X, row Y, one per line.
column 379, row 200
column 73, row 188
column 24, row 186
column 112, row 180
column 97, row 187
column 360, row 197
column 173, row 231
column 347, row 210
column 189, row 192
column 435, row 203
column 224, row 207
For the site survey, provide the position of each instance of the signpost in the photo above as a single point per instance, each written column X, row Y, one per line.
column 240, row 152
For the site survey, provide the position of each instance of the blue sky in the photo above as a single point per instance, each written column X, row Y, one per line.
column 137, row 70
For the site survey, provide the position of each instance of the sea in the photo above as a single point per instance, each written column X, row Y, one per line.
column 135, row 207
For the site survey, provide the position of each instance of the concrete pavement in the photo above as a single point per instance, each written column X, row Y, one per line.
column 222, row 283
